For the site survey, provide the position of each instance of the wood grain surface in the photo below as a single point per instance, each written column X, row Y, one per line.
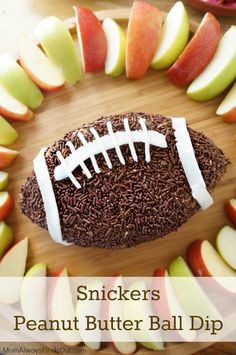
column 97, row 95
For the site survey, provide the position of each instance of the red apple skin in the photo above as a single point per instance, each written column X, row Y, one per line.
column 16, row 117
column 6, row 158
column 195, row 260
column 230, row 116
column 6, row 208
column 93, row 39
column 231, row 211
column 198, row 53
column 143, row 35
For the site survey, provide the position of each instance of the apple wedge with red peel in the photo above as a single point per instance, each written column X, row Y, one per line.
column 33, row 295
column 6, row 204
column 198, row 52
column 8, row 134
column 226, row 245
column 6, row 238
column 59, row 46
column 143, row 34
column 12, row 269
column 6, row 157
column 227, row 108
column 45, row 74
column 13, row 109
column 4, row 178
column 62, row 307
column 92, row 40
column 205, row 261
column 230, row 209
column 116, row 309
column 168, row 306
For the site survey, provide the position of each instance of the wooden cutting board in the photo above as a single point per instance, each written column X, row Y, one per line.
column 97, row 95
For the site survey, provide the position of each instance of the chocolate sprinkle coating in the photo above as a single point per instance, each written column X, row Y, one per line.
column 131, row 203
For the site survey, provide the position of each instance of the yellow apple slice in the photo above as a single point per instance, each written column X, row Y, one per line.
column 116, row 42
column 174, row 37
column 6, row 237
column 4, row 178
column 39, row 68
column 59, row 46
column 220, row 73
column 17, row 83
column 8, row 134
column 227, row 108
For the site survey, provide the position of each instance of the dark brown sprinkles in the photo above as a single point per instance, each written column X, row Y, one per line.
column 129, row 204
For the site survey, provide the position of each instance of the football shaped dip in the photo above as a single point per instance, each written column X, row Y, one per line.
column 122, row 180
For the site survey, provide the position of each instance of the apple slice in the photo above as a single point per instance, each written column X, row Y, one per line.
column 194, row 301
column 219, row 74
column 39, row 68
column 85, row 307
column 33, row 293
column 4, row 178
column 143, row 35
column 12, row 269
column 6, row 204
column 12, row 108
column 174, row 37
column 17, row 83
column 61, row 307
column 226, row 245
column 116, row 43
column 198, row 53
column 6, row 238
column 230, row 209
column 8, row 134
column 92, row 40
column 6, row 157
column 59, row 46
column 168, row 306
column 227, row 108
column 142, row 310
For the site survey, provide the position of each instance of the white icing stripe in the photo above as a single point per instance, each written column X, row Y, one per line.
column 190, row 164
column 81, row 163
column 48, row 197
column 115, row 142
column 67, row 171
column 92, row 148
column 142, row 122
column 130, row 141
column 90, row 152
column 103, row 150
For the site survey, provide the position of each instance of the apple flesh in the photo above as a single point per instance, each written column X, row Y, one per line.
column 194, row 301
column 6, row 157
column 6, row 238
column 39, row 68
column 220, row 72
column 17, row 83
column 143, row 35
column 12, row 108
column 4, row 178
column 59, row 47
column 33, row 293
column 6, row 204
column 116, row 43
column 198, row 53
column 174, row 37
column 92, row 40
column 230, row 209
column 226, row 245
column 227, row 108
column 8, row 134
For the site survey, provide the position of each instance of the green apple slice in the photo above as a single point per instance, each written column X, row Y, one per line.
column 195, row 301
column 220, row 73
column 6, row 237
column 226, row 245
column 17, row 83
column 174, row 37
column 116, row 43
column 4, row 178
column 8, row 134
column 59, row 46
